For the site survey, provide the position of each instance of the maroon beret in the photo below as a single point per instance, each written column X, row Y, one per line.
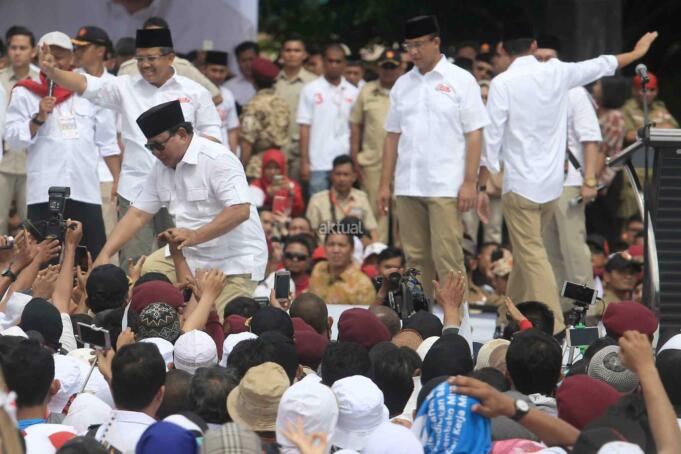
column 310, row 345
column 581, row 399
column 264, row 69
column 629, row 315
column 236, row 324
column 155, row 292
column 361, row 326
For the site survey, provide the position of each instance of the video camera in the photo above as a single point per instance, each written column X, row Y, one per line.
column 55, row 225
column 405, row 293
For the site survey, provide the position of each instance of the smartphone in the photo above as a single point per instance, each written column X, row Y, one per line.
column 582, row 337
column 81, row 258
column 282, row 284
column 94, row 336
column 578, row 292
column 186, row 294
column 280, row 204
column 262, row 301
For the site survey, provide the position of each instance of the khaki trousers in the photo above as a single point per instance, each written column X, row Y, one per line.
column 492, row 230
column 431, row 233
column 143, row 242
column 371, row 180
column 12, row 187
column 565, row 241
column 531, row 278
column 237, row 284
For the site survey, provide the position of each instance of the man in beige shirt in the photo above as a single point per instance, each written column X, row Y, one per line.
column 367, row 134
column 21, row 50
column 329, row 207
column 289, row 83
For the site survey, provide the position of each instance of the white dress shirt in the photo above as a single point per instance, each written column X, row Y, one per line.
column 208, row 179
column 103, row 171
column 582, row 127
column 242, row 89
column 228, row 115
column 527, row 105
column 432, row 112
column 124, row 429
column 66, row 149
column 326, row 108
column 131, row 96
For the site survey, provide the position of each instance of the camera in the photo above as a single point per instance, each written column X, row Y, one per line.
column 54, row 226
column 405, row 293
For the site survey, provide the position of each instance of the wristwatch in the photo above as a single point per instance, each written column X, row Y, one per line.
column 521, row 409
column 482, row 188
column 590, row 182
column 10, row 274
column 34, row 119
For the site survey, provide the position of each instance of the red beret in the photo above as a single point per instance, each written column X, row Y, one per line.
column 629, row 315
column 235, row 323
column 310, row 345
column 361, row 326
column 581, row 399
column 155, row 292
column 652, row 81
column 264, row 69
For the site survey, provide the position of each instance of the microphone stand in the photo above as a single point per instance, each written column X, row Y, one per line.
column 645, row 136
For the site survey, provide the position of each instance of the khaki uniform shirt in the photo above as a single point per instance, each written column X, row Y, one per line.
column 289, row 91
column 351, row 287
column 595, row 312
column 370, row 110
column 633, row 115
column 13, row 161
column 265, row 121
column 355, row 204
column 182, row 67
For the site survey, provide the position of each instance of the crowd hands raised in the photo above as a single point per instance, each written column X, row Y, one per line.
column 187, row 364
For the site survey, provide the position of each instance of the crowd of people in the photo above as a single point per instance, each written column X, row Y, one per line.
column 173, row 236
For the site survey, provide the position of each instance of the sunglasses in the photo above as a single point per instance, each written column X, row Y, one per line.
column 158, row 146
column 295, row 257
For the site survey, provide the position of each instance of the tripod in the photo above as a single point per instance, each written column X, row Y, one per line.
column 576, row 319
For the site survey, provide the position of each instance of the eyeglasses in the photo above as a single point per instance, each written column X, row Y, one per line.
column 149, row 59
column 407, row 46
column 295, row 257
column 158, row 146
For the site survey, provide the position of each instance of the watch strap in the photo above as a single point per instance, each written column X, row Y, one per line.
column 10, row 274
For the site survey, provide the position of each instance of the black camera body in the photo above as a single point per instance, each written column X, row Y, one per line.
column 55, row 225
column 405, row 294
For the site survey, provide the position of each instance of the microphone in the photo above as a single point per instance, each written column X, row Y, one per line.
column 50, row 87
column 642, row 71
column 579, row 199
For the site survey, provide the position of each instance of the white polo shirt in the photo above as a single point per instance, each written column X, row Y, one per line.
column 527, row 105
column 228, row 116
column 208, row 179
column 66, row 149
column 131, row 96
column 432, row 112
column 582, row 127
column 124, row 429
column 326, row 108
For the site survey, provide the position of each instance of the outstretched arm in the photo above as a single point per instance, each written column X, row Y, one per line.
column 67, row 79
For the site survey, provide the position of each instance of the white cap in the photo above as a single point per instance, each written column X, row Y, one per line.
column 87, row 410
column 67, row 371
column 361, row 411
column 391, row 438
column 374, row 248
column 193, row 350
column 15, row 306
column 311, row 401
column 165, row 347
column 425, row 346
column 14, row 331
column 620, row 447
column 231, row 341
column 58, row 39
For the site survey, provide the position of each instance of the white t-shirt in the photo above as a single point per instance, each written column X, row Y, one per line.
column 582, row 127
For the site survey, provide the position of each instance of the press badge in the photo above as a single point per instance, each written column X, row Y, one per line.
column 67, row 125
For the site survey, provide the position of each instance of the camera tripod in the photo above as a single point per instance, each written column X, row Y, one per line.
column 576, row 318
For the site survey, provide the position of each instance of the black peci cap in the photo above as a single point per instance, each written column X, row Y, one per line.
column 153, row 37
column 160, row 118
column 216, row 57
column 421, row 26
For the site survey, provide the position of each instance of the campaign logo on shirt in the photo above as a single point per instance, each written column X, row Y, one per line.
column 318, row 98
column 348, row 100
column 184, row 99
column 444, row 88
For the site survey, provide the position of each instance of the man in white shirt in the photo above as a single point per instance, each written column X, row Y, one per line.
column 324, row 120
column 216, row 70
column 242, row 85
column 130, row 96
column 65, row 135
column 432, row 147
column 527, row 105
column 136, row 374
column 204, row 187
column 565, row 234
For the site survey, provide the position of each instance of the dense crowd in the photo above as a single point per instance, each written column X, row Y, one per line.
column 293, row 258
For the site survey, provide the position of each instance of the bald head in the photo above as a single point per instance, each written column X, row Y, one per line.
column 312, row 309
column 388, row 317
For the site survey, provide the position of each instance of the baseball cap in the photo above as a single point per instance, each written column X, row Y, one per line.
column 58, row 39
column 606, row 366
column 91, row 35
column 193, row 350
column 374, row 248
column 622, row 261
column 427, row 324
column 390, row 58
